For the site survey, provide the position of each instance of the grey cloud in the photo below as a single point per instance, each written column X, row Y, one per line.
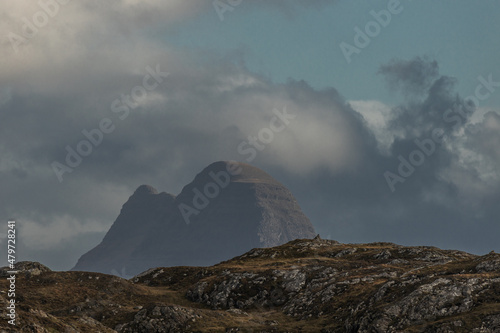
column 202, row 116
column 201, row 113
column 486, row 139
column 413, row 76
column 199, row 116
column 448, row 197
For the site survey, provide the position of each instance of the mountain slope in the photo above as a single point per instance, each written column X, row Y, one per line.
column 226, row 210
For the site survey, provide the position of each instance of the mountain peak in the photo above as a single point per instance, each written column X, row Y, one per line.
column 228, row 209
column 239, row 172
column 145, row 190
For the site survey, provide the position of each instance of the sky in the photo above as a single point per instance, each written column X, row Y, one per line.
column 391, row 108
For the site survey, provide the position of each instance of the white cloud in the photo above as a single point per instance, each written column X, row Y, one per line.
column 480, row 112
column 44, row 235
column 377, row 116
column 317, row 137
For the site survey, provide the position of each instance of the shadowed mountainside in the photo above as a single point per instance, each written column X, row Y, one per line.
column 228, row 208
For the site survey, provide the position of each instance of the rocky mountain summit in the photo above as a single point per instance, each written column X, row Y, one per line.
column 228, row 209
column 306, row 285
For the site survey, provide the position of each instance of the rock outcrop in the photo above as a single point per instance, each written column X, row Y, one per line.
column 228, row 209
column 28, row 268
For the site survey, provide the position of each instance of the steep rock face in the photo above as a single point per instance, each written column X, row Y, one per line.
column 139, row 216
column 252, row 210
column 229, row 208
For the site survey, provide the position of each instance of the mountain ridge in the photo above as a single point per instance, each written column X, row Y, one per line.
column 228, row 208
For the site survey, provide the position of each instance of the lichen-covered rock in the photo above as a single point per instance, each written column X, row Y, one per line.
column 437, row 298
column 160, row 319
column 490, row 264
column 28, row 268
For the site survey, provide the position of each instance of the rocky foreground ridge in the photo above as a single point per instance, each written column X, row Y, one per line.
column 302, row 286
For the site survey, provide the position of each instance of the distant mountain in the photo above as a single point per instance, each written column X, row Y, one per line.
column 228, row 209
column 306, row 285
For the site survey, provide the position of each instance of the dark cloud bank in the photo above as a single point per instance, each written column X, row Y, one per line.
column 328, row 155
